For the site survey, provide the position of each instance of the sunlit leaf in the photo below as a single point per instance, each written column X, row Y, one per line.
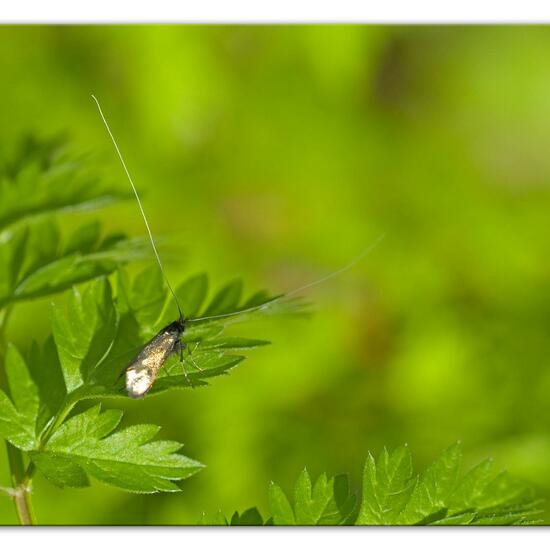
column 84, row 331
column 18, row 416
column 387, row 487
column 85, row 445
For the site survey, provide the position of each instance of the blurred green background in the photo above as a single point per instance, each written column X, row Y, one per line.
column 279, row 153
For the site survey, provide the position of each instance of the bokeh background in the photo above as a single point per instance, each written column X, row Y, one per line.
column 277, row 154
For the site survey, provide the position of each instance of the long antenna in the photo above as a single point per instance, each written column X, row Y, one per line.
column 348, row 266
column 139, row 204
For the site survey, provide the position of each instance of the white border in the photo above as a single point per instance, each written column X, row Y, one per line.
column 272, row 11
column 273, row 538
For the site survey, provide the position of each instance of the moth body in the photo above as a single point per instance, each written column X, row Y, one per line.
column 144, row 369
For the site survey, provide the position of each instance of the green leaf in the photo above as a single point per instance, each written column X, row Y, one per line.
column 310, row 506
column 392, row 494
column 85, row 446
column 144, row 297
column 202, row 332
column 176, row 375
column 471, row 488
column 43, row 178
column 40, row 180
column 226, row 299
column 257, row 299
column 430, row 495
column 251, row 516
column 60, row 471
column 45, row 369
column 191, row 296
column 387, row 487
column 326, row 502
column 280, row 507
column 18, row 416
column 98, row 336
column 465, row 518
column 344, row 500
column 233, row 343
column 85, row 331
column 84, row 238
column 34, row 263
column 214, row 519
column 127, row 343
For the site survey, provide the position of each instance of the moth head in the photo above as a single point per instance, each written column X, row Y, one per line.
column 138, row 381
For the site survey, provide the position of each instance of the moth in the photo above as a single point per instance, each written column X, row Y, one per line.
column 143, row 370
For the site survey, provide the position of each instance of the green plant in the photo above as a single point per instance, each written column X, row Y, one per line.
column 392, row 494
column 105, row 320
column 93, row 338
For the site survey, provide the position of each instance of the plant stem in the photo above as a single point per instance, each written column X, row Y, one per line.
column 21, row 486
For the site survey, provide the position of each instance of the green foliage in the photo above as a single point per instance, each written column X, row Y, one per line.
column 43, row 177
column 251, row 517
column 96, row 333
column 84, row 332
column 393, row 495
column 35, row 259
column 94, row 336
column 18, row 416
column 327, row 502
column 126, row 459
column 387, row 487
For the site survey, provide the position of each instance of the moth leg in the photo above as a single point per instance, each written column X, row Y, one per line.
column 191, row 356
column 178, row 347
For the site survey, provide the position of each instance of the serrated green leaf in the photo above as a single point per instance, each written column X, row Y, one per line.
column 344, row 502
column 44, row 178
column 504, row 490
column 471, row 488
column 326, row 502
column 191, row 296
column 173, row 375
column 434, row 487
column 60, row 471
column 147, row 297
column 226, row 299
column 251, row 516
column 528, row 514
column 313, row 506
column 304, row 515
column 387, row 487
column 84, row 332
column 34, row 263
column 45, row 369
column 84, row 238
column 127, row 343
column 23, row 389
column 280, row 507
column 18, row 416
column 213, row 519
column 12, row 427
column 127, row 459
